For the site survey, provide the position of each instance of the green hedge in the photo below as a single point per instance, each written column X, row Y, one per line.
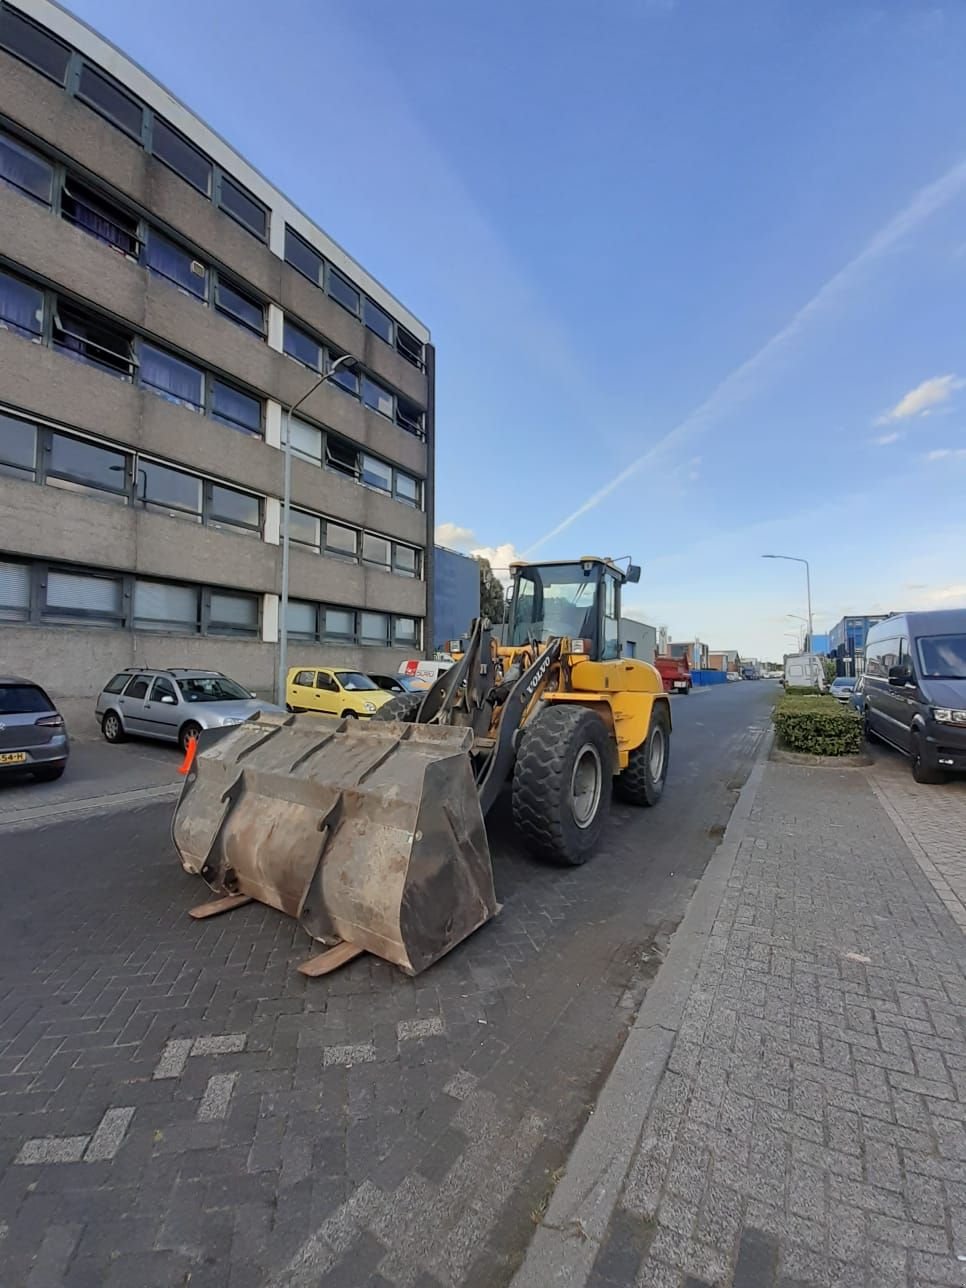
column 820, row 725
column 802, row 691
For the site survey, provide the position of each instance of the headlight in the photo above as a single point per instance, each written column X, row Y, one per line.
column 369, row 706
column 233, row 720
column 947, row 715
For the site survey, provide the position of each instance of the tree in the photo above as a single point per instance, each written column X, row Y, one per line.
column 491, row 592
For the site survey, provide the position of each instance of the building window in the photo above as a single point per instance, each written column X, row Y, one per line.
column 95, row 214
column 405, row 561
column 167, row 259
column 409, row 347
column 405, row 630
column 14, row 591
column 77, row 463
column 341, row 541
column 341, row 458
column 374, row 396
column 229, row 508
column 106, row 97
column 377, row 321
column 301, row 347
column 169, row 491
column 302, row 622
column 345, row 377
column 172, row 379
column 241, row 205
column 409, row 416
column 25, row 171
column 240, row 307
column 376, row 551
column 376, row 474
column 306, row 440
column 408, row 490
column 305, row 529
column 344, row 292
column 90, row 340
column 233, row 614
column 84, row 597
column 183, row 157
column 373, row 628
column 35, row 46
column 232, row 407
column 300, row 255
column 165, row 606
column 18, row 447
column 338, row 623
column 21, row 307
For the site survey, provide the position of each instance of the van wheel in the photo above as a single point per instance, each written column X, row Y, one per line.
column 867, row 729
column 922, row 771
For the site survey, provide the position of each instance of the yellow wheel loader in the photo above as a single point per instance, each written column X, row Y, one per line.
column 371, row 833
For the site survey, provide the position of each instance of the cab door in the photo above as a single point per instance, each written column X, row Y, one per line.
column 328, row 695
column 301, row 691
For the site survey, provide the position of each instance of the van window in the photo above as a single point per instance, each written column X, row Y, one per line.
column 943, row 656
column 905, row 657
column 880, row 656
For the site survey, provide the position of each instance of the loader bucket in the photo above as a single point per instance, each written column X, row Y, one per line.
column 364, row 831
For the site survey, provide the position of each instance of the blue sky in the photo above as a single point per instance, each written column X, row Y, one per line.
column 695, row 271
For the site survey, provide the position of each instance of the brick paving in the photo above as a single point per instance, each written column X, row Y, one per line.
column 179, row 1106
column 810, row 1128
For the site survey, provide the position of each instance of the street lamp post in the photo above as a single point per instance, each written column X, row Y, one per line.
column 808, row 586
column 345, row 361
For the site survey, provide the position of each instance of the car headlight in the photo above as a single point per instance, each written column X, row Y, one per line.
column 369, row 706
column 948, row 715
column 232, row 720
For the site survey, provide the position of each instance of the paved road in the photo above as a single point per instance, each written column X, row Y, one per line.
column 178, row 1105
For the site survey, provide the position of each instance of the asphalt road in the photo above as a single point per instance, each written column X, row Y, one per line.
column 361, row 1129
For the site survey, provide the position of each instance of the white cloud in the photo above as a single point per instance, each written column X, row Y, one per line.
column 743, row 382
column 452, row 535
column 921, row 400
column 885, row 439
column 952, row 595
column 947, row 453
column 500, row 558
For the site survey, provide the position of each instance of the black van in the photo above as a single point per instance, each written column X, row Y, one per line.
column 915, row 690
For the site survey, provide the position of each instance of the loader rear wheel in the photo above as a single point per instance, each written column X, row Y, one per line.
column 642, row 782
column 562, row 783
column 402, row 707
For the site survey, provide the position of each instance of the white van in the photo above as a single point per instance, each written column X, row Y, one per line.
column 423, row 673
column 805, row 671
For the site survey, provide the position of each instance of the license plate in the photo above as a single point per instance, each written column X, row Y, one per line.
column 12, row 757
column 680, row 684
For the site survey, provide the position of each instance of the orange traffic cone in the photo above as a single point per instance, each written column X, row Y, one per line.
column 189, row 756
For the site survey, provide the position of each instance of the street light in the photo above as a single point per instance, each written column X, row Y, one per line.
column 345, row 361
column 808, row 585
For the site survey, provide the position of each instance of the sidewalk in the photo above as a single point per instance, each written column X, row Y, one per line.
column 809, row 1124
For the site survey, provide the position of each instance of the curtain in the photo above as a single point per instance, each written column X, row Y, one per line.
column 24, row 170
column 21, row 306
column 171, row 378
column 175, row 264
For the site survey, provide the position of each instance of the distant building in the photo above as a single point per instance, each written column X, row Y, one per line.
column 693, row 650
column 723, row 659
column 663, row 641
column 638, row 639
column 456, row 595
column 847, row 642
column 817, row 644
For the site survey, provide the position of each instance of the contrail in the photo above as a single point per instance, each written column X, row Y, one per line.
column 739, row 384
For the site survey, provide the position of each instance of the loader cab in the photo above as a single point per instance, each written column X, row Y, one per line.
column 577, row 599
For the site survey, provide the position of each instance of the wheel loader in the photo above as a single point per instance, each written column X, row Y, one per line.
column 371, row 833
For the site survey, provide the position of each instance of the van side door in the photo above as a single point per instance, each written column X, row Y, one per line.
column 886, row 708
column 907, row 697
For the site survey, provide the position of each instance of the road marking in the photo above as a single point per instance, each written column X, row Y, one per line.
column 351, row 1053
column 107, row 1140
column 430, row 1028
column 53, row 1149
column 217, row 1097
column 174, row 1057
column 38, row 815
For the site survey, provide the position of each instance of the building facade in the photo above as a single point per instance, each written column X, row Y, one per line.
column 694, row 651
column 846, row 642
column 638, row 639
column 456, row 595
column 724, row 660
column 161, row 307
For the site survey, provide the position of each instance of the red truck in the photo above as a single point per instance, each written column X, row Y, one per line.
column 675, row 672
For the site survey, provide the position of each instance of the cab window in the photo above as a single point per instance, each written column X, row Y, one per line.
column 326, row 682
column 305, row 677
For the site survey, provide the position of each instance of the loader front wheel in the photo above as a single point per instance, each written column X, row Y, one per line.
column 642, row 782
column 402, row 707
column 562, row 783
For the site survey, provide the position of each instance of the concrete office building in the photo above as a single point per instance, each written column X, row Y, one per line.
column 161, row 305
column 638, row 639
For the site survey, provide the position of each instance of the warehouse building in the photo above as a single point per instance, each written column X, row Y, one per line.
column 162, row 307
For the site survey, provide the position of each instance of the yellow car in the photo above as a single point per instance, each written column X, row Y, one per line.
column 336, row 692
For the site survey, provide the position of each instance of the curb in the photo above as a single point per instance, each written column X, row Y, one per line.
column 568, row 1239
column 39, row 815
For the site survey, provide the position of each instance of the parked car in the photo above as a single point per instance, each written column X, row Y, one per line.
column 805, row 671
column 857, row 696
column 396, row 684
column 842, row 687
column 172, row 704
column 333, row 690
column 915, row 690
column 33, row 736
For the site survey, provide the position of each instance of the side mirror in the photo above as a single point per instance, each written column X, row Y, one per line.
column 253, row 693
column 634, row 573
column 899, row 675
column 169, row 699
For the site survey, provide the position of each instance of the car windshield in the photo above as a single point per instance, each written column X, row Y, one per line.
column 943, row 657
column 843, row 682
column 22, row 700
column 354, row 681
column 213, row 688
column 554, row 601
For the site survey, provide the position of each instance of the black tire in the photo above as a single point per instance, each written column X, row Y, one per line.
column 349, row 715
column 402, row 707
column 50, row 774
column 111, row 727
column 922, row 770
column 188, row 730
column 642, row 782
column 867, row 730
column 559, row 743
